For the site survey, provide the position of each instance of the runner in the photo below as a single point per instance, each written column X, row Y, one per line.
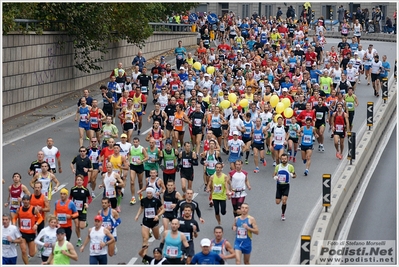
column 100, row 239
column 108, row 132
column 244, row 226
column 174, row 244
column 170, row 199
column 62, row 251
column 124, row 151
column 119, row 164
column 170, row 110
column 11, row 238
column 94, row 154
column 189, row 227
column 34, row 167
column 340, row 124
column 110, row 220
column 110, row 181
column 376, row 69
column 80, row 195
column 278, row 137
column 168, row 161
column 97, row 116
column 206, row 256
column 28, row 218
column 129, row 117
column 15, row 193
column 247, row 135
column 139, row 100
column 41, row 204
column 47, row 238
column 238, row 183
column 158, row 258
column 209, row 159
column 153, row 210
column 259, row 133
column 197, row 122
column 83, row 113
column 187, row 159
column 220, row 245
column 154, row 182
column 157, row 134
column 153, row 153
column 293, row 137
column 321, row 110
column 178, row 127
column 218, row 186
column 188, row 200
column 46, row 179
column 137, row 156
column 307, row 132
column 159, row 115
column 282, row 175
column 351, row 102
column 66, row 211
column 51, row 153
column 83, row 165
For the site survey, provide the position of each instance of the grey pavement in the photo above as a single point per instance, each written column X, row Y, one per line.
column 276, row 240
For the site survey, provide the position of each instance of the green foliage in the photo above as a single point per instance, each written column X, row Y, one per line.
column 93, row 26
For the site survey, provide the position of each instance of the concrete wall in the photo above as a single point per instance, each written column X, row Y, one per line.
column 37, row 70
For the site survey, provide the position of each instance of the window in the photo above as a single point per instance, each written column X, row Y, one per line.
column 268, row 11
column 224, row 8
column 245, row 11
column 224, row 5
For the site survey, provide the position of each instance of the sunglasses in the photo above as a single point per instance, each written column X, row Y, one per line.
column 82, row 150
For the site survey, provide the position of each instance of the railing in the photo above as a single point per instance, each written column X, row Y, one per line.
column 170, row 27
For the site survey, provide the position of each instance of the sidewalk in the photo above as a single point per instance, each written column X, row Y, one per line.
column 62, row 108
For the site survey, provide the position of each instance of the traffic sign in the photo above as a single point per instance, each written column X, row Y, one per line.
column 395, row 70
column 193, row 17
column 305, row 250
column 351, row 146
column 384, row 88
column 326, row 190
column 370, row 108
column 212, row 18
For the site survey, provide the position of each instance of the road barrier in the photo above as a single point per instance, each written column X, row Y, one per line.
column 328, row 222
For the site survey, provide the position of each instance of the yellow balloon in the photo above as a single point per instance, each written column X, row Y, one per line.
column 286, row 102
column 280, row 107
column 197, row 65
column 288, row 112
column 221, row 93
column 233, row 98
column 266, row 98
column 225, row 104
column 274, row 100
column 244, row 103
column 210, row 70
column 276, row 117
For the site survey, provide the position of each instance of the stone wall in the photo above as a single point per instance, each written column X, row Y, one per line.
column 36, row 69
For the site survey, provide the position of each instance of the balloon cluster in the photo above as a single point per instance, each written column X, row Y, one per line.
column 282, row 106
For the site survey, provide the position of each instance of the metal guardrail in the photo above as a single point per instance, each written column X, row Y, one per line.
column 170, row 27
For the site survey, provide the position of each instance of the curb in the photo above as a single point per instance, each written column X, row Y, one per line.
column 383, row 37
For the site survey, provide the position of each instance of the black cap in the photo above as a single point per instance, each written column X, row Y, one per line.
column 26, row 197
column 157, row 249
column 60, row 231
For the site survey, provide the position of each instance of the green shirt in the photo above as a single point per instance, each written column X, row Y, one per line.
column 135, row 154
column 149, row 165
column 108, row 130
column 350, row 102
column 59, row 258
column 219, row 188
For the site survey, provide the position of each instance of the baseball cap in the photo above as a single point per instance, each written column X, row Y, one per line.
column 206, row 75
column 181, row 68
column 356, row 53
column 205, row 242
column 297, row 45
column 234, row 133
column 98, row 218
column 200, row 94
column 285, row 89
column 60, row 231
column 238, row 51
column 123, row 135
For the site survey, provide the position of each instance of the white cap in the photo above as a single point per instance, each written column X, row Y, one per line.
column 285, row 89
column 235, row 133
column 200, row 94
column 297, row 45
column 206, row 75
column 182, row 68
column 205, row 242
column 238, row 51
column 356, row 53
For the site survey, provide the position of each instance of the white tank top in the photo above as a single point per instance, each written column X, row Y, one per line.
column 110, row 191
column 356, row 30
column 337, row 75
column 96, row 237
column 163, row 100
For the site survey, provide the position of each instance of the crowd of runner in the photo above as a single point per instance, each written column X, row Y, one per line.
column 257, row 88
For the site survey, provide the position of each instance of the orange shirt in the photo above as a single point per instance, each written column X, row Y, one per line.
column 178, row 121
column 61, row 211
column 38, row 202
column 26, row 220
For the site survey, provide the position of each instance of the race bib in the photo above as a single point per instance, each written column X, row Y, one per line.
column 79, row 204
column 83, row 117
column 319, row 115
column 149, row 213
column 187, row 236
column 217, row 188
column 242, row 233
column 168, row 206
column 349, row 105
column 171, row 119
column 14, row 203
column 281, row 178
column 135, row 158
column 339, row 128
column 26, row 224
column 170, row 164
column 186, row 163
column 144, row 89
column 110, row 193
column 96, row 247
column 171, row 251
column 178, row 122
column 307, row 138
column 197, row 122
column 62, row 218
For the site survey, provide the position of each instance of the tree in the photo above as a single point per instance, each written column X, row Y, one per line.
column 92, row 26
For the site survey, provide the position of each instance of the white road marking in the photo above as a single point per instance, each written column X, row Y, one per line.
column 132, row 261
column 59, row 188
column 146, row 131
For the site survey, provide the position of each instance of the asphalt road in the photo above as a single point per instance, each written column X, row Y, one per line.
column 276, row 240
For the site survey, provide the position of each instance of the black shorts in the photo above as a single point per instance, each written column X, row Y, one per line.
column 137, row 168
column 232, row 36
column 305, row 148
column 191, row 251
column 295, row 140
column 28, row 237
column 169, row 215
column 246, row 139
column 108, row 110
column 149, row 223
column 187, row 174
column 196, row 131
column 340, row 134
column 82, row 216
column 128, row 126
column 169, row 126
column 258, row 146
column 68, row 232
column 40, row 227
column 98, row 129
column 374, row 77
column 180, row 132
column 353, row 84
column 95, row 166
column 282, row 190
column 318, row 124
column 217, row 132
column 224, row 127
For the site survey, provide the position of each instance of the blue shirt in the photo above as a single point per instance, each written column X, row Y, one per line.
column 140, row 61
column 212, row 258
column 183, row 76
column 180, row 51
column 386, row 66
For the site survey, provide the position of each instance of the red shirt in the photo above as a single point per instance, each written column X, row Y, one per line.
column 306, row 114
column 224, row 47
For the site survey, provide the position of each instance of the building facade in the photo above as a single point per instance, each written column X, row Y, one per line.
column 246, row 9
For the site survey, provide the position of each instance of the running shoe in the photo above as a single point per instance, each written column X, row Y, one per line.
column 306, row 172
column 87, row 138
column 138, row 132
column 290, row 158
column 246, row 161
column 268, row 152
column 205, row 188
column 337, row 155
column 93, row 195
column 274, row 164
column 140, row 196
column 79, row 243
column 322, row 148
column 264, row 162
column 118, row 209
column 340, row 156
column 304, row 161
column 282, row 217
column 319, row 148
column 133, row 201
column 256, row 170
column 116, row 250
column 294, row 159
